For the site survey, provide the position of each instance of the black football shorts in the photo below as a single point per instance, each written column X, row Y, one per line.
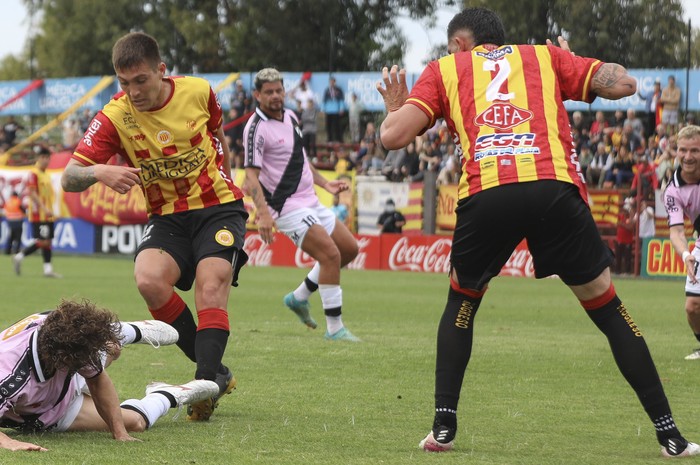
column 190, row 236
column 560, row 231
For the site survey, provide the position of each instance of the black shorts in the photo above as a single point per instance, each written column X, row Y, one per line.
column 193, row 235
column 43, row 230
column 560, row 231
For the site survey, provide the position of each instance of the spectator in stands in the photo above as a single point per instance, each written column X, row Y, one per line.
column 10, row 130
column 585, row 157
column 342, row 164
column 411, row 162
column 430, row 157
column 647, row 219
column 670, row 99
column 240, row 99
column 616, row 137
column 84, row 120
column 624, row 238
column 598, row 128
column 309, row 127
column 373, row 160
column 635, row 123
column 334, row 108
column 340, row 210
column 355, row 109
column 390, row 220
column 600, row 166
column 451, row 170
column 618, row 118
column 392, row 165
column 645, row 178
column 577, row 121
column 629, row 137
column 621, row 172
column 303, row 93
column 234, row 138
column 370, row 135
column 652, row 106
column 71, row 133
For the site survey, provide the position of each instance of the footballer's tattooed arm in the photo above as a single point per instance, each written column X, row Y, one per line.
column 611, row 81
column 77, row 177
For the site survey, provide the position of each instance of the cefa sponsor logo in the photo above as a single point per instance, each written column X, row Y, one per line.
column 433, row 258
column 503, row 115
column 259, row 253
column 519, row 264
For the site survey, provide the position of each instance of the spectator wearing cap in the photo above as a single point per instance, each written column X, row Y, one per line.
column 652, row 106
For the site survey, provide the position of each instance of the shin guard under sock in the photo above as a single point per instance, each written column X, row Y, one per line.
column 454, row 345
column 633, row 359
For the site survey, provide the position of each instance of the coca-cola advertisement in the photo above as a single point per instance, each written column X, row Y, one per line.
column 396, row 252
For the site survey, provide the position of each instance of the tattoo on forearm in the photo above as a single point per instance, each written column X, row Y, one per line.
column 608, row 75
column 77, row 179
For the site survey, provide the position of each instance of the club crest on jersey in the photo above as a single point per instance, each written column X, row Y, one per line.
column 164, row 137
column 224, row 237
column 503, row 115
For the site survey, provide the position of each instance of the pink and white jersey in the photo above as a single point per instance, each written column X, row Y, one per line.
column 276, row 148
column 28, row 400
column 681, row 198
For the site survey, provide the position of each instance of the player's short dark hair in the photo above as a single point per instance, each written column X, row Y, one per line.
column 133, row 49
column 485, row 26
column 76, row 335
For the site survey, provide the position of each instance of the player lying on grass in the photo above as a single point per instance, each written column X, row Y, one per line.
column 53, row 378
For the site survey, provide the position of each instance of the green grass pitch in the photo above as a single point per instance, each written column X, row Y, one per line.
column 542, row 387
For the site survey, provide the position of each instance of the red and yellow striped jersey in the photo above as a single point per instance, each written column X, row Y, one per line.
column 174, row 145
column 40, row 182
column 504, row 109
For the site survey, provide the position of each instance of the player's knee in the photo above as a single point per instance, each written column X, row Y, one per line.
column 692, row 307
column 151, row 286
column 135, row 423
column 350, row 252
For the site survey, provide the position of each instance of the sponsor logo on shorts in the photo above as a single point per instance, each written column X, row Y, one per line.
column 224, row 237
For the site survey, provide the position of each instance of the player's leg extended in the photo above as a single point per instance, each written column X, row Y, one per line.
column 454, row 348
column 319, row 245
column 632, row 356
column 213, row 284
column 156, row 273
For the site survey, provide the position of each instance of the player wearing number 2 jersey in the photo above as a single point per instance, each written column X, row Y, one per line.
column 503, row 105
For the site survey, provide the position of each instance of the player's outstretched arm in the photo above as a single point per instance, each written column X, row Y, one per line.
column 8, row 443
column 611, row 81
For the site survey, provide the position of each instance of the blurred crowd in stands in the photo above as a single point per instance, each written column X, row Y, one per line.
column 620, row 150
